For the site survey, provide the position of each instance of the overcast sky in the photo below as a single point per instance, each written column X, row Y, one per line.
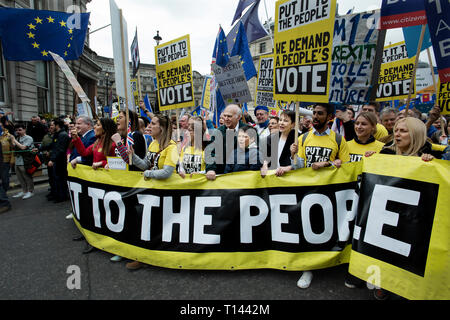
column 199, row 18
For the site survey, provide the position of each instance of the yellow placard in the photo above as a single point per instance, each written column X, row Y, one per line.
column 395, row 77
column 444, row 97
column 174, row 74
column 303, row 50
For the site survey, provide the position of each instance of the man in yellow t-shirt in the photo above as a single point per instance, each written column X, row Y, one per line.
column 322, row 147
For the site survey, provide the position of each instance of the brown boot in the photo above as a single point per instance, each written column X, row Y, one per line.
column 134, row 265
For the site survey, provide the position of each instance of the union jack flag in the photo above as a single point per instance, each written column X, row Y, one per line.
column 130, row 140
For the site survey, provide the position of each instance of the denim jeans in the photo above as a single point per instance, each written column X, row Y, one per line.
column 4, row 175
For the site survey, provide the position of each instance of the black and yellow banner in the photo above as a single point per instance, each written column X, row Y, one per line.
column 302, row 221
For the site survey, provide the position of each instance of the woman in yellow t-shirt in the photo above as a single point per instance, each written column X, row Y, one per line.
column 192, row 157
column 161, row 158
column 365, row 127
column 162, row 155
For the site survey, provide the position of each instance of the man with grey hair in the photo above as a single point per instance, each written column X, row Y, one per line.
column 388, row 117
column 85, row 129
column 223, row 141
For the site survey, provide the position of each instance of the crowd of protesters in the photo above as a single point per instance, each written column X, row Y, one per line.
column 160, row 146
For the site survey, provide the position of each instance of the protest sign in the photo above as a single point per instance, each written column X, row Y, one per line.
column 303, row 45
column 70, row 77
column 439, row 25
column 242, row 221
column 117, row 163
column 444, row 97
column 402, row 226
column 232, row 82
column 135, row 91
column 354, row 50
column 174, row 74
column 402, row 13
column 121, row 53
column 206, row 94
column 264, row 84
column 396, row 74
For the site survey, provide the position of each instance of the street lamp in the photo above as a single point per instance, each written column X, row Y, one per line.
column 157, row 38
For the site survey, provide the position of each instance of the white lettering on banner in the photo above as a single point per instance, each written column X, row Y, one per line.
column 278, row 218
column 96, row 195
column 345, row 216
column 148, row 202
column 202, row 220
column 170, row 218
column 117, row 198
column 327, row 209
column 76, row 188
column 247, row 220
column 378, row 217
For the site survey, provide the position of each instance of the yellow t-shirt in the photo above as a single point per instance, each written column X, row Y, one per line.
column 166, row 157
column 322, row 148
column 358, row 150
column 381, row 132
column 192, row 160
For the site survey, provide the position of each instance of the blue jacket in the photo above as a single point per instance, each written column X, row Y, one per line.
column 87, row 140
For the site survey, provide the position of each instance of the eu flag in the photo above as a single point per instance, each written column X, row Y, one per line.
column 220, row 53
column 30, row 34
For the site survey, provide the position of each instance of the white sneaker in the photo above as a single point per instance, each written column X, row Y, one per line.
column 19, row 195
column 28, row 195
column 69, row 217
column 305, row 280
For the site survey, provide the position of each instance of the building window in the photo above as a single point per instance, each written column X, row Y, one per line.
column 42, row 84
column 262, row 47
column 2, row 78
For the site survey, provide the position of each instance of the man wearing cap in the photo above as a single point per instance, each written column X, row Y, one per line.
column 262, row 117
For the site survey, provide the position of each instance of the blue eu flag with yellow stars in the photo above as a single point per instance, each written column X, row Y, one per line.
column 30, row 34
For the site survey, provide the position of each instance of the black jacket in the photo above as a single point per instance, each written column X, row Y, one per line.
column 285, row 157
column 60, row 144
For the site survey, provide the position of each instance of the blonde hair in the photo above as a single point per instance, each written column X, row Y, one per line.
column 371, row 118
column 417, row 133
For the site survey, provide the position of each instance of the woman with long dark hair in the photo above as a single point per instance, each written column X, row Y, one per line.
column 103, row 147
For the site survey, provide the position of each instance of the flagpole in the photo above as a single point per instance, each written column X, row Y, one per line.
column 413, row 78
column 124, row 66
column 139, row 86
column 270, row 30
column 297, row 125
column 436, row 103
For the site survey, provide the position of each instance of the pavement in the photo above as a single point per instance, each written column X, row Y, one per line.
column 40, row 261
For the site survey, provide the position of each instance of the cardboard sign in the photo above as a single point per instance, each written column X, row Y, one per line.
column 232, row 82
column 116, row 163
column 174, row 74
column 303, row 47
column 354, row 50
column 264, row 85
column 395, row 77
